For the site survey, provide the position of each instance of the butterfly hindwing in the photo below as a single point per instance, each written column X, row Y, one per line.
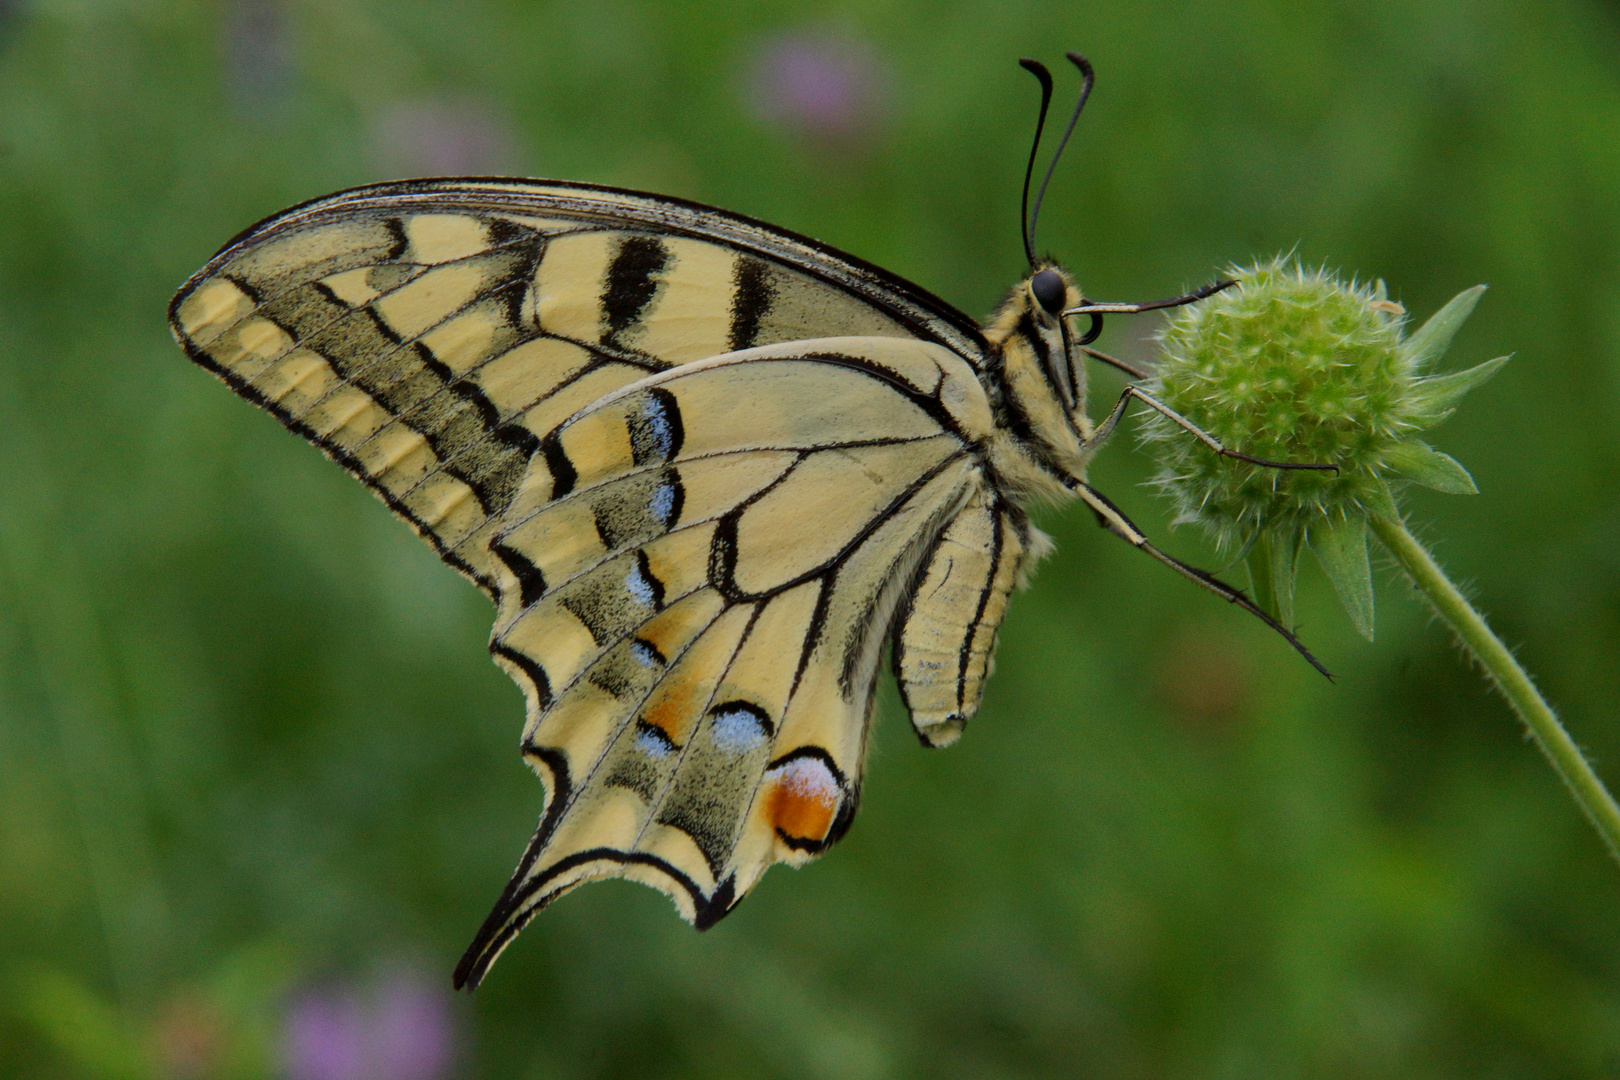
column 700, row 665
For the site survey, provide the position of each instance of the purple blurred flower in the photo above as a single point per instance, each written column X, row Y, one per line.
column 825, row 83
column 441, row 137
column 412, row 1034
column 325, row 1037
column 258, row 53
column 397, row 1027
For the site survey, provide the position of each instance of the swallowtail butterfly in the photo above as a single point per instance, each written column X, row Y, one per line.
column 707, row 470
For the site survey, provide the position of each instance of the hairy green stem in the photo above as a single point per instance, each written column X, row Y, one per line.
column 1510, row 678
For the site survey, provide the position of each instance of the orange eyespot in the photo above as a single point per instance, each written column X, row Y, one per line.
column 803, row 799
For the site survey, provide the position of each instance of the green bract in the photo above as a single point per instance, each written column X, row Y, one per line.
column 1296, row 365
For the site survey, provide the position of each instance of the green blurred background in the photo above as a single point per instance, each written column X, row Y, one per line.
column 259, row 782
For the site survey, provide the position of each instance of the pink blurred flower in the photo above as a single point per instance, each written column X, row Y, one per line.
column 436, row 136
column 825, row 83
column 258, row 50
column 395, row 1027
column 325, row 1036
column 413, row 1037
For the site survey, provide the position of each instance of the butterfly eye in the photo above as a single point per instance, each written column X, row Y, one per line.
column 1050, row 291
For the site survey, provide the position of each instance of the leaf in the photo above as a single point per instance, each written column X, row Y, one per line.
column 1341, row 550
column 1433, row 338
column 1272, row 562
column 1376, row 498
column 85, row 1029
column 1423, row 464
column 1436, row 397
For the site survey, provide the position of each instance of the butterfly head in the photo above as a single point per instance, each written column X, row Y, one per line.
column 1037, row 375
column 1051, row 336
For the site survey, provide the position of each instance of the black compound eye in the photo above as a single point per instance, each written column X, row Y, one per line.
column 1050, row 291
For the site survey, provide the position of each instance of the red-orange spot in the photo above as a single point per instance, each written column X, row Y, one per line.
column 671, row 712
column 803, row 799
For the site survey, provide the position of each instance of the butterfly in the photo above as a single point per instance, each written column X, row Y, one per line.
column 707, row 469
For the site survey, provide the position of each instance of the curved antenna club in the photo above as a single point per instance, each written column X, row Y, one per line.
column 1037, row 69
column 1088, row 78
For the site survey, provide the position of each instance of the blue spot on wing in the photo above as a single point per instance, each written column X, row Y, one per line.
column 656, row 417
column 642, row 584
column 655, row 427
column 636, row 583
column 663, row 504
column 738, row 727
column 653, row 742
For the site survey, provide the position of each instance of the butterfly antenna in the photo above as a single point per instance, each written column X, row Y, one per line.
column 1037, row 69
column 1088, row 77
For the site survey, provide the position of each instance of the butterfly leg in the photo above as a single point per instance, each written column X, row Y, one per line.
column 1106, row 428
column 1114, row 520
column 1113, row 361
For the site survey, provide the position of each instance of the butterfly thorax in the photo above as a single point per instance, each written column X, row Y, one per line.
column 1037, row 386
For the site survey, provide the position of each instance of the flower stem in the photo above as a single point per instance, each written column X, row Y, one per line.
column 1510, row 678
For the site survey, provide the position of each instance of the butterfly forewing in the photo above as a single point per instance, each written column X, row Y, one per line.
column 426, row 334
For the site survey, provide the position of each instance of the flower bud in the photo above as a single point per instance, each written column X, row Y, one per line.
column 1297, row 365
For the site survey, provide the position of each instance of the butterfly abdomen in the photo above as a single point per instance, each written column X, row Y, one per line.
column 944, row 640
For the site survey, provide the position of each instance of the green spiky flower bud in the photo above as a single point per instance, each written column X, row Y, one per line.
column 1297, row 365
